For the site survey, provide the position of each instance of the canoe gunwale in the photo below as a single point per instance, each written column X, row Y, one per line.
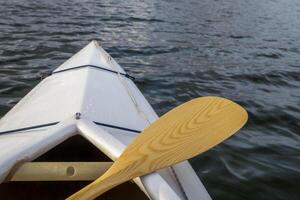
column 102, row 139
column 113, row 148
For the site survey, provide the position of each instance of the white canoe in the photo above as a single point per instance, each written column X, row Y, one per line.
column 113, row 111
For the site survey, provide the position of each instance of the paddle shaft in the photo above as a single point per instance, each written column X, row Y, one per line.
column 114, row 176
column 182, row 133
column 100, row 186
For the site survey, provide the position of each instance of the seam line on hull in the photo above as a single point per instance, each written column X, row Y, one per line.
column 95, row 67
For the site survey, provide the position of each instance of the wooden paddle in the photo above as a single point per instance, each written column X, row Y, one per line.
column 182, row 133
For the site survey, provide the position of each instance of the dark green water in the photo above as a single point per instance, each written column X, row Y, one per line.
column 248, row 51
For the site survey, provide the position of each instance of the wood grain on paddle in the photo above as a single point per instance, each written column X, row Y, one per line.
column 182, row 133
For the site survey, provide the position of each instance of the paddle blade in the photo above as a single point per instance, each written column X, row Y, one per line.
column 184, row 132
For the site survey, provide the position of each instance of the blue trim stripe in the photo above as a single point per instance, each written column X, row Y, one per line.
column 54, row 123
column 29, row 128
column 117, row 127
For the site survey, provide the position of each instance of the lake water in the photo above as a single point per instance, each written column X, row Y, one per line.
column 248, row 51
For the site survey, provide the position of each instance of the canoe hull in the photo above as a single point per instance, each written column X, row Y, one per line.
column 112, row 112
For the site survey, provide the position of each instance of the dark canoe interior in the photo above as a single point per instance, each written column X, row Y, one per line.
column 75, row 148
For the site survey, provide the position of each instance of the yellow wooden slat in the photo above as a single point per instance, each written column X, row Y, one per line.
column 59, row 171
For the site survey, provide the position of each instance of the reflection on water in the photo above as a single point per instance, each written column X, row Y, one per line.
column 248, row 51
